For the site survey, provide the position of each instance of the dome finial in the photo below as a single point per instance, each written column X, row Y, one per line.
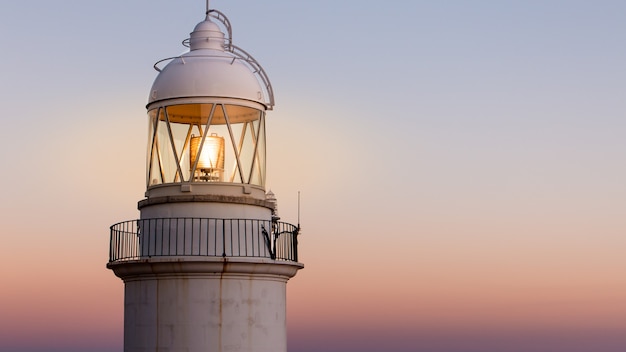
column 207, row 7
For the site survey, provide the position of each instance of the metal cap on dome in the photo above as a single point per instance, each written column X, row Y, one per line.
column 207, row 35
column 212, row 68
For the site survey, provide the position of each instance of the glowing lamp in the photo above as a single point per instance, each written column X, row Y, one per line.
column 208, row 157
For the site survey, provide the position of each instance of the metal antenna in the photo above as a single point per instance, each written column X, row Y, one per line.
column 207, row 7
column 298, row 209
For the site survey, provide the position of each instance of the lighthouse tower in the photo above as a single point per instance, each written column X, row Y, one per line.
column 205, row 267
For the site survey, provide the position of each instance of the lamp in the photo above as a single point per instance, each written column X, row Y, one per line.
column 210, row 158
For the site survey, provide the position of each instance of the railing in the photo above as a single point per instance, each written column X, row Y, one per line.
column 203, row 237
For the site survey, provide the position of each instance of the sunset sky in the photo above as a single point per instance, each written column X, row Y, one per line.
column 461, row 165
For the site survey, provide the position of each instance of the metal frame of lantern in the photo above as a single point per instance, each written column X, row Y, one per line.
column 173, row 127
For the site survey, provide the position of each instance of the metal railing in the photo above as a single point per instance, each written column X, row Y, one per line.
column 203, row 237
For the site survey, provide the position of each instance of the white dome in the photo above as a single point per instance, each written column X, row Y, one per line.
column 207, row 70
column 206, row 73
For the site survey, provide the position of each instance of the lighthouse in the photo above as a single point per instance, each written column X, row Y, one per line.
column 205, row 267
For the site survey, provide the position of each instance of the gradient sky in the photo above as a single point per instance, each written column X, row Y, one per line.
column 461, row 166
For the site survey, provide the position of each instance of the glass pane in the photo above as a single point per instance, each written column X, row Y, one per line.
column 245, row 134
column 167, row 160
column 236, row 133
column 156, row 176
column 149, row 150
column 258, row 168
column 181, row 135
column 227, row 161
column 155, row 170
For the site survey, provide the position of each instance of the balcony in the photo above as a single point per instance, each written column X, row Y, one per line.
column 194, row 238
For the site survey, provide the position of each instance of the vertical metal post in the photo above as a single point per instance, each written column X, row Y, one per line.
column 295, row 243
column 223, row 238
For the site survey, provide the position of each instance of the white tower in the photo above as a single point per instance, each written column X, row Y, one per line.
column 205, row 267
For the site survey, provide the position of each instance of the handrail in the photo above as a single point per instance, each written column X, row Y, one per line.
column 202, row 237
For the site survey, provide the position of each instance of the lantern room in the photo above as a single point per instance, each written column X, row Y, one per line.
column 206, row 112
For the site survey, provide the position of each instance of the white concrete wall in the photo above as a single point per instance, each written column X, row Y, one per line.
column 189, row 312
column 201, row 302
column 206, row 210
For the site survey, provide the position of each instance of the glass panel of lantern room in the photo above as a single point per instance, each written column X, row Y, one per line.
column 181, row 136
column 159, row 149
column 152, row 170
column 244, row 123
column 249, row 146
column 169, row 137
column 188, row 123
column 206, row 143
column 220, row 134
column 165, row 152
column 257, row 174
